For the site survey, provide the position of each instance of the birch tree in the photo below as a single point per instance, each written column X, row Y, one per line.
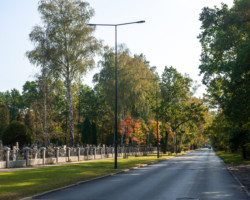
column 64, row 43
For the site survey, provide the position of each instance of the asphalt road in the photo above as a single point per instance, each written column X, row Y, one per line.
column 198, row 175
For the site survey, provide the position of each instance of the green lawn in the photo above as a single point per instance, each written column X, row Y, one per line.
column 17, row 184
column 232, row 158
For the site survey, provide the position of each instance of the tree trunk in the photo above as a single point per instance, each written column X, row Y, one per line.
column 166, row 143
column 176, row 145
column 71, row 125
column 244, row 152
column 66, row 124
column 79, row 119
column 45, row 111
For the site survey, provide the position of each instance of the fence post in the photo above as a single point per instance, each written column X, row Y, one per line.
column 57, row 154
column 14, row 153
column 91, row 152
column 7, row 155
column 43, row 149
column 87, row 151
column 78, row 153
column 35, row 156
column 27, row 149
column 68, row 153
column 94, row 149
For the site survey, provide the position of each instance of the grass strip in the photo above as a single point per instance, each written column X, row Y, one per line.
column 232, row 158
column 18, row 184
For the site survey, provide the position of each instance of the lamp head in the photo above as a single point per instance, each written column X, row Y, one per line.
column 143, row 21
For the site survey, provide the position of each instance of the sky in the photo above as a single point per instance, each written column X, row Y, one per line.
column 168, row 38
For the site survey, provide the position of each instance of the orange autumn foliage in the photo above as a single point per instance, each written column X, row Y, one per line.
column 131, row 129
column 126, row 127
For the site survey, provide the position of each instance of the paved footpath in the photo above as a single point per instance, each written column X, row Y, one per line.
column 197, row 175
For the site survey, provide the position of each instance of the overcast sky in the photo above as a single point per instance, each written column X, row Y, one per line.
column 168, row 38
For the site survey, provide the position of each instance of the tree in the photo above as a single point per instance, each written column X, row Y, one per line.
column 176, row 107
column 65, row 43
column 174, row 86
column 13, row 100
column 30, row 94
column 134, row 87
column 29, row 121
column 165, row 140
column 126, row 128
column 4, row 118
column 17, row 132
column 144, row 136
column 225, row 63
column 218, row 132
column 153, row 132
column 137, row 132
column 89, row 132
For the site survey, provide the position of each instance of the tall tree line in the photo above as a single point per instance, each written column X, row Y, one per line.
column 58, row 108
column 225, row 65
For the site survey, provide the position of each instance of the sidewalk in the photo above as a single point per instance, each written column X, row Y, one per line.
column 5, row 170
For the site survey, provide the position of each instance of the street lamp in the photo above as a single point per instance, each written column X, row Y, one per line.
column 116, row 25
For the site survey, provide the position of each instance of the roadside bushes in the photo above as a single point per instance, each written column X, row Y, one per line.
column 17, row 132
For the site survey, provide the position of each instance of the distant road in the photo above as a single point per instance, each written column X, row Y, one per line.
column 198, row 175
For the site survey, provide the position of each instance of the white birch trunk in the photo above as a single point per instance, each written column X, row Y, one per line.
column 71, row 124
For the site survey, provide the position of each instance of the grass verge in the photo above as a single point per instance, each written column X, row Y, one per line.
column 18, row 184
column 232, row 158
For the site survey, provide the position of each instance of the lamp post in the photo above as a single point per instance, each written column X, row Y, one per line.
column 116, row 79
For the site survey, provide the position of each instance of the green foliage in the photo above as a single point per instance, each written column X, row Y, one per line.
column 134, row 82
column 57, row 106
column 232, row 158
column 13, row 100
column 29, row 121
column 218, row 132
column 174, row 86
column 184, row 113
column 4, row 118
column 64, row 45
column 225, row 65
column 239, row 140
column 30, row 93
column 89, row 132
column 17, row 132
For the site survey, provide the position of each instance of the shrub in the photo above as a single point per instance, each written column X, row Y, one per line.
column 17, row 132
